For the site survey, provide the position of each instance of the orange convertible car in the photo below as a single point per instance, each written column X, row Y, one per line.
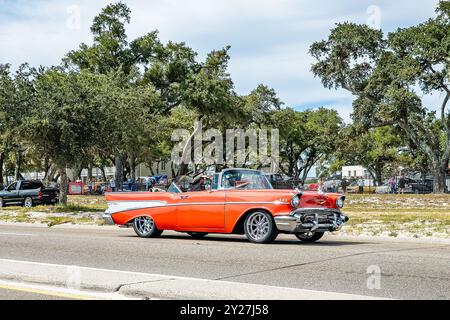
column 238, row 201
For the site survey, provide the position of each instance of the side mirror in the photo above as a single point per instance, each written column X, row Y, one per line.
column 208, row 186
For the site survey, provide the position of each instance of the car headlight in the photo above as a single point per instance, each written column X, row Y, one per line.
column 340, row 202
column 295, row 201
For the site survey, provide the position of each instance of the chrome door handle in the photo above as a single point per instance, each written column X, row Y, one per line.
column 184, row 197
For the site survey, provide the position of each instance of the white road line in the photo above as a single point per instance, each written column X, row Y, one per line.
column 60, row 292
column 16, row 234
column 173, row 277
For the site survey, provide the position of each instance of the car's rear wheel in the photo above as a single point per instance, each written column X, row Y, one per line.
column 197, row 235
column 309, row 236
column 28, row 202
column 145, row 227
column 259, row 227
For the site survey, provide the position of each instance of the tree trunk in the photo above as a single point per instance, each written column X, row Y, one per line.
column 49, row 173
column 78, row 173
column 119, row 172
column 172, row 169
column 89, row 172
column 376, row 175
column 304, row 176
column 150, row 167
column 132, row 164
column 17, row 175
column 2, row 160
column 77, row 169
column 47, row 166
column 439, row 175
column 63, row 186
column 104, row 178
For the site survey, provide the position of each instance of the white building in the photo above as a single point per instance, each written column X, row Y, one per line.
column 355, row 172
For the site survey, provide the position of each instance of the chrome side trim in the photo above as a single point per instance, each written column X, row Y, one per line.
column 120, row 206
column 129, row 205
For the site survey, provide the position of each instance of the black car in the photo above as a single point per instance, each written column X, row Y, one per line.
column 420, row 186
column 278, row 182
column 28, row 193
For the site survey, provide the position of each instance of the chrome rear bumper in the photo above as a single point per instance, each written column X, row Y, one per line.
column 107, row 218
column 311, row 220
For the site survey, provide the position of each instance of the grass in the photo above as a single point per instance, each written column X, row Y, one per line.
column 75, row 204
column 79, row 210
column 392, row 215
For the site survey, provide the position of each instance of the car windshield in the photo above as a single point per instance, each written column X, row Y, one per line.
column 245, row 179
column 174, row 188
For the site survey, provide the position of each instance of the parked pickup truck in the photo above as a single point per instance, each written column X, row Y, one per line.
column 278, row 182
column 28, row 193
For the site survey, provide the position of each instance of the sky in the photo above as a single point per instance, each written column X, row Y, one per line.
column 269, row 39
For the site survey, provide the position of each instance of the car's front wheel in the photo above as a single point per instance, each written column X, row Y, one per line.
column 145, row 227
column 2, row 204
column 309, row 236
column 260, row 228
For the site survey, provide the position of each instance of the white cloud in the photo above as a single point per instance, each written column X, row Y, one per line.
column 269, row 38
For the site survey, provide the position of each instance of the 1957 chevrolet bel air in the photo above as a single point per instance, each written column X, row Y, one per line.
column 238, row 201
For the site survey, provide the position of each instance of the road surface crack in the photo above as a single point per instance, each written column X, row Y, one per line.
column 325, row 260
column 120, row 286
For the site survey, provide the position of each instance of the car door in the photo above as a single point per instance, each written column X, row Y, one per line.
column 24, row 189
column 201, row 211
column 11, row 194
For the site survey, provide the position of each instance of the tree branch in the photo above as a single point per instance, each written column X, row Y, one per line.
column 444, row 104
column 420, row 143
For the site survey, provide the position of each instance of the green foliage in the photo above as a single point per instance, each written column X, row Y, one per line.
column 306, row 137
column 389, row 76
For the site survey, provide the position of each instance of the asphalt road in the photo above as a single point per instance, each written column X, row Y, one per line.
column 410, row 270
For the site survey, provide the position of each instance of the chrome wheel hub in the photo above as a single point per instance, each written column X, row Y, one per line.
column 144, row 225
column 258, row 225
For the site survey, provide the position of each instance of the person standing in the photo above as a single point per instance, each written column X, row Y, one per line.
column 361, row 185
column 402, row 184
column 89, row 184
column 391, row 185
column 112, row 184
column 344, row 184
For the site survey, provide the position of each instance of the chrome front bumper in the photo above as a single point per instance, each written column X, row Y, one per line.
column 311, row 220
column 107, row 218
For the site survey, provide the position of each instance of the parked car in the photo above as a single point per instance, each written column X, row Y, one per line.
column 420, row 186
column 278, row 182
column 28, row 193
column 354, row 188
column 239, row 201
column 383, row 189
